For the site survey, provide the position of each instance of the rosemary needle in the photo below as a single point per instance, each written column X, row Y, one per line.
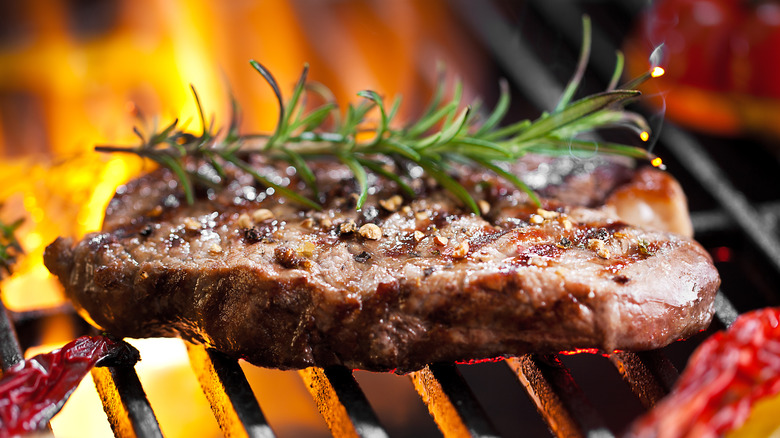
column 9, row 246
column 445, row 133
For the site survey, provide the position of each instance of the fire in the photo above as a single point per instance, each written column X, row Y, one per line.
column 657, row 72
column 657, row 162
column 63, row 91
column 644, row 135
column 580, row 351
column 59, row 199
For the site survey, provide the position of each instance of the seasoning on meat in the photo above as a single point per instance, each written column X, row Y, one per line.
column 441, row 284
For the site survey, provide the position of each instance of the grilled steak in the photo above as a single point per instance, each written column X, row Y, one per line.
column 402, row 283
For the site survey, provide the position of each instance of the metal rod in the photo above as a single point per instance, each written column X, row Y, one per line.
column 229, row 394
column 725, row 312
column 341, row 402
column 650, row 374
column 568, row 21
column 718, row 220
column 59, row 324
column 698, row 163
column 523, row 67
column 451, row 403
column 557, row 397
column 125, row 403
column 10, row 351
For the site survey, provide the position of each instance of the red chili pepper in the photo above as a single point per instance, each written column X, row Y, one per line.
column 725, row 376
column 32, row 391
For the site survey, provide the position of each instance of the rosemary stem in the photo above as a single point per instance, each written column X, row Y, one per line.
column 117, row 149
column 446, row 133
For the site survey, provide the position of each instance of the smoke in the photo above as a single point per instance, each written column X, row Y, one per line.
column 657, row 57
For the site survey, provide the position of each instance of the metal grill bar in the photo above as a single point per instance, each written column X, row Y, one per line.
column 10, row 352
column 718, row 220
column 649, row 374
column 454, row 408
column 341, row 402
column 32, row 325
column 451, row 403
column 568, row 21
column 557, row 397
column 548, row 383
column 524, row 68
column 125, row 403
column 229, row 394
column 725, row 312
column 692, row 156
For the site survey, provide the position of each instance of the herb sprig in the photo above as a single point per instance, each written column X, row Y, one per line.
column 10, row 248
column 443, row 135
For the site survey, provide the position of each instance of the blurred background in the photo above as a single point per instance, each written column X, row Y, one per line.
column 77, row 73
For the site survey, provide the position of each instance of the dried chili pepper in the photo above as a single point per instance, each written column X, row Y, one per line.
column 725, row 376
column 32, row 391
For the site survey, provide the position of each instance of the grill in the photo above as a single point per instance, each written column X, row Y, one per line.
column 577, row 395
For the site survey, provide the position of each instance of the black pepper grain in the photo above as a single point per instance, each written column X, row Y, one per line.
column 621, row 279
column 146, row 231
column 252, row 235
column 362, row 257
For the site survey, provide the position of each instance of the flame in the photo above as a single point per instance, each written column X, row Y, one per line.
column 644, row 135
column 657, row 72
column 580, row 351
column 74, row 91
column 657, row 162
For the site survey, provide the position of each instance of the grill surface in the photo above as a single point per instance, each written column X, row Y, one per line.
column 575, row 395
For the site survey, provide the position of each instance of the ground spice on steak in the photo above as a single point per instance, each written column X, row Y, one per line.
column 362, row 257
column 289, row 258
column 252, row 235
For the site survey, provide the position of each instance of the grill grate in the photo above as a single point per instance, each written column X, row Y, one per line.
column 451, row 402
column 552, row 387
column 125, row 403
column 228, row 392
column 342, row 403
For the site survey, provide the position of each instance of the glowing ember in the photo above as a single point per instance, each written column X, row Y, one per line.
column 657, row 72
column 581, row 351
column 722, row 254
column 644, row 136
column 657, row 162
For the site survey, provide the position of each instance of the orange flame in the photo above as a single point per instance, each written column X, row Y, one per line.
column 657, row 72
column 81, row 91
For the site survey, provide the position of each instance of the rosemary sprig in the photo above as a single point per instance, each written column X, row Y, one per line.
column 9, row 246
column 444, row 134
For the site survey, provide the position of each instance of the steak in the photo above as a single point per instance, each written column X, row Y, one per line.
column 403, row 282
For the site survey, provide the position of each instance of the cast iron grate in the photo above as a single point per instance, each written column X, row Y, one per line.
column 550, row 384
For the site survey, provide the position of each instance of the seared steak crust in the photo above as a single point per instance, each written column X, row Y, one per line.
column 256, row 277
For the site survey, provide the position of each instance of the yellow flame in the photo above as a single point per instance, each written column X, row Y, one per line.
column 657, row 72
column 644, row 136
column 143, row 65
column 657, row 162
